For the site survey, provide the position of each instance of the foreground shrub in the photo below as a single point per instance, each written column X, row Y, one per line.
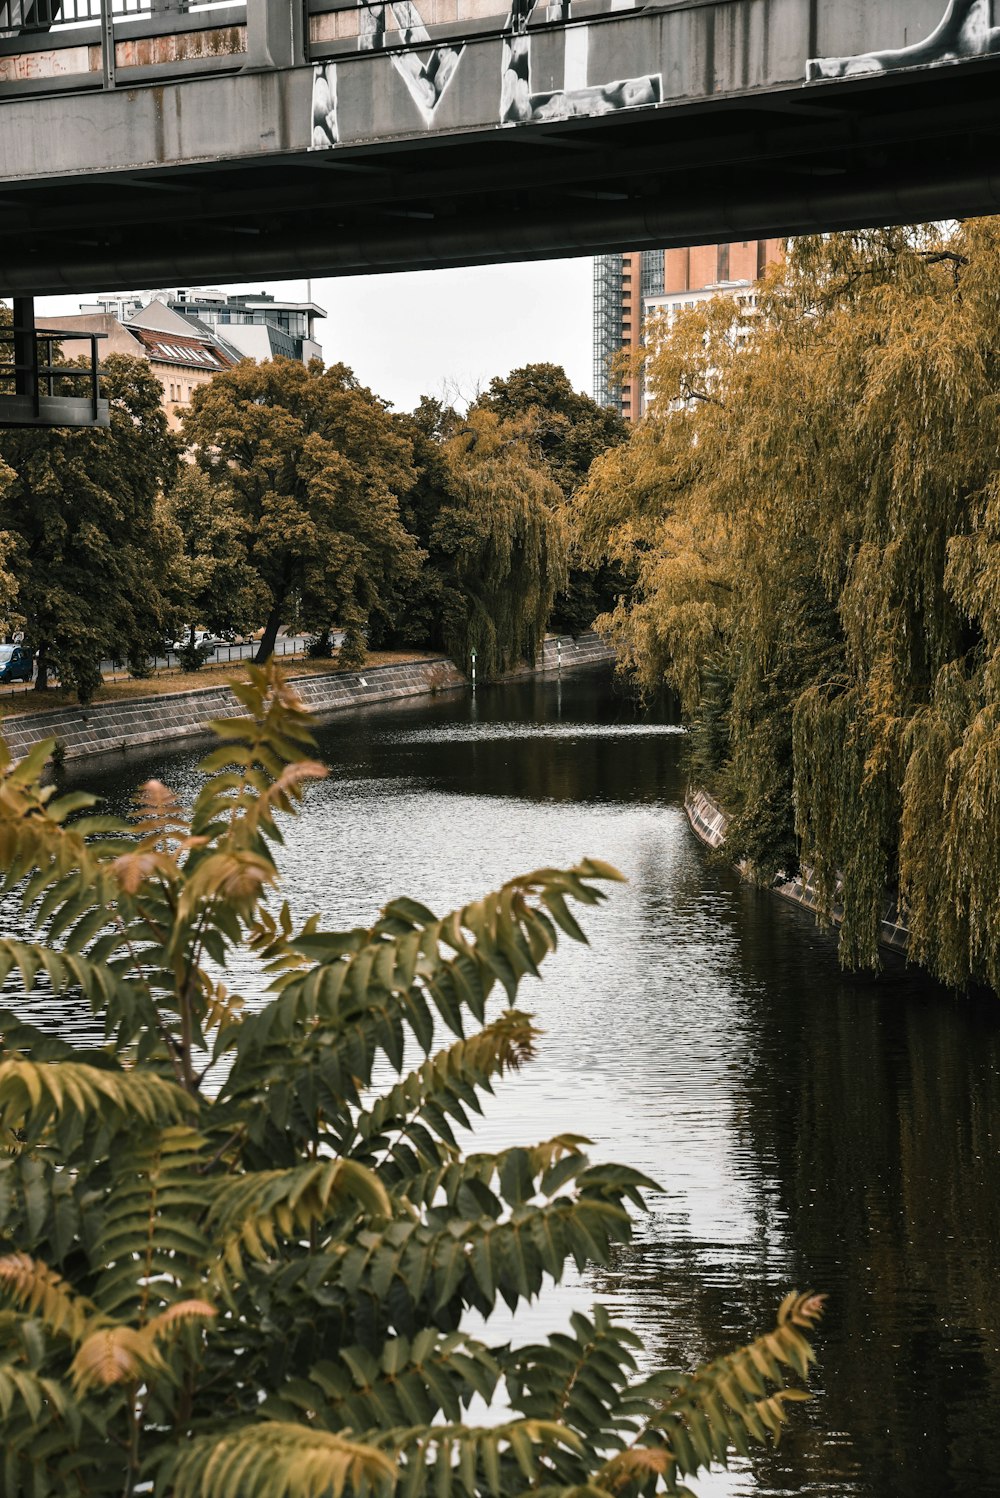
column 229, row 1265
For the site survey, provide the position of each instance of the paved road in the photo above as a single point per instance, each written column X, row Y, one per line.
column 285, row 645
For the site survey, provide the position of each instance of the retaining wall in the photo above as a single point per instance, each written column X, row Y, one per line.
column 107, row 726
column 585, row 650
column 565, row 652
column 709, row 823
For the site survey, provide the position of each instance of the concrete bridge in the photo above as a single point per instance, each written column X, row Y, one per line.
column 143, row 144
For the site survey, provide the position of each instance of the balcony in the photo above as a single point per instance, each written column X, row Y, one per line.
column 38, row 387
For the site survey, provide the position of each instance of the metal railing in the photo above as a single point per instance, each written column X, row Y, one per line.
column 338, row 27
column 126, row 32
column 64, row 30
column 38, row 386
column 30, row 17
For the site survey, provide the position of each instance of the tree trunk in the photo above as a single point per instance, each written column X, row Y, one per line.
column 266, row 647
column 42, row 670
column 352, row 648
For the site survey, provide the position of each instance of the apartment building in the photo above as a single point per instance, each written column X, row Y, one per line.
column 628, row 287
column 256, row 324
column 181, row 356
column 187, row 336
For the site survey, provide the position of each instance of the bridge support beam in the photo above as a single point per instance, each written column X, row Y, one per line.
column 275, row 35
column 108, row 62
column 25, row 350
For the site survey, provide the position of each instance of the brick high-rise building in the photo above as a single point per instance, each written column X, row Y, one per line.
column 625, row 285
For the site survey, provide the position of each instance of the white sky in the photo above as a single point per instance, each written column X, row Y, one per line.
column 445, row 332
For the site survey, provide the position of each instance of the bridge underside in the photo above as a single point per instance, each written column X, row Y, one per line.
column 512, row 145
column 892, row 150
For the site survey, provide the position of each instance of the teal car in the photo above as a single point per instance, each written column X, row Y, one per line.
column 15, row 663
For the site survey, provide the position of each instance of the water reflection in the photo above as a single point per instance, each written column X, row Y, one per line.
column 807, row 1129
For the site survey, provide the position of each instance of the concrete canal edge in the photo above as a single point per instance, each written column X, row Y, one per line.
column 563, row 652
column 171, row 717
column 709, row 823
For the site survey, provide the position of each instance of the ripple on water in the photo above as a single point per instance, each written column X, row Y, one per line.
column 481, row 733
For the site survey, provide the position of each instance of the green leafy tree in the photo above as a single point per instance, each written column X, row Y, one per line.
column 569, row 428
column 491, row 509
column 315, row 465
column 91, row 553
column 211, row 580
column 234, row 1267
column 505, row 542
column 434, row 605
column 9, row 618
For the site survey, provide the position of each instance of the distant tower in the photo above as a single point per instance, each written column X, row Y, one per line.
column 626, row 284
column 607, row 324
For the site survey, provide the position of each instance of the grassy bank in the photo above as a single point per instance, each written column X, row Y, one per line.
column 127, row 689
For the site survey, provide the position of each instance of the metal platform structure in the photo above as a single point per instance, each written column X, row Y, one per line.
column 38, row 388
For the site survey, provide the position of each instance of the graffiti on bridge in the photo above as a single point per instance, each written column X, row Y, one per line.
column 965, row 31
column 427, row 73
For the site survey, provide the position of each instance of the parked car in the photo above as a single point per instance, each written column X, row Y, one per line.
column 15, row 663
column 202, row 639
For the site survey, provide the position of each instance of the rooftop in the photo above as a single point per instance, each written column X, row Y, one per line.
column 174, row 348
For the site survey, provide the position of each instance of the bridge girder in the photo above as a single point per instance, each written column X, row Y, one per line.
column 124, row 187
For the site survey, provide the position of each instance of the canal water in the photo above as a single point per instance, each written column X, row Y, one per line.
column 808, row 1129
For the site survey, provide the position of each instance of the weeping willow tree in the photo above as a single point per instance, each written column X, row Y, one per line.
column 812, row 510
column 238, row 1250
column 499, row 542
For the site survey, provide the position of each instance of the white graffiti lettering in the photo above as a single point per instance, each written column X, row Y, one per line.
column 426, row 71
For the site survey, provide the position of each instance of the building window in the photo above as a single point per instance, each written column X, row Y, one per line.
column 651, row 266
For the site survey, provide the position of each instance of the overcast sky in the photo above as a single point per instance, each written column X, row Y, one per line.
column 445, row 331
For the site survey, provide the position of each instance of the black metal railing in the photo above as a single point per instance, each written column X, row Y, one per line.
column 38, row 387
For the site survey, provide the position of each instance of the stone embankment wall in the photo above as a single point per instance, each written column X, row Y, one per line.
column 709, row 823
column 105, row 727
column 585, row 650
column 108, row 726
column 566, row 653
